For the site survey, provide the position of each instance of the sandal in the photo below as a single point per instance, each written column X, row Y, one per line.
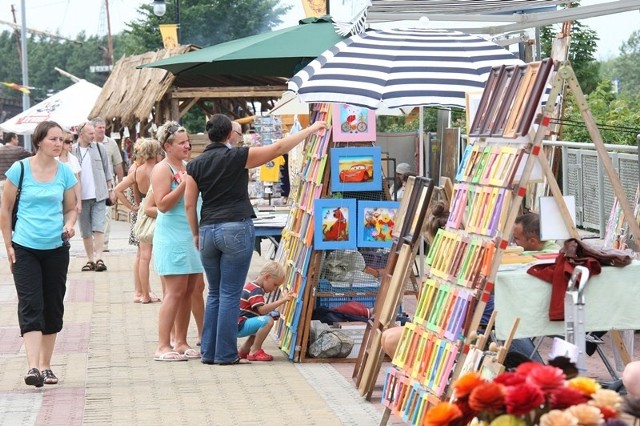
column 100, row 266
column 34, row 378
column 235, row 361
column 90, row 266
column 260, row 356
column 49, row 377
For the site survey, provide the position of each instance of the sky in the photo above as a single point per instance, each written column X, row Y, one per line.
column 69, row 17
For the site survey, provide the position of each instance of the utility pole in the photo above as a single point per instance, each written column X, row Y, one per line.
column 26, row 101
column 16, row 33
column 109, row 39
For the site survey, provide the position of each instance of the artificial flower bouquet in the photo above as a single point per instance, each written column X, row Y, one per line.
column 534, row 394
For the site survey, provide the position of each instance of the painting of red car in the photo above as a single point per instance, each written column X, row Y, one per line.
column 357, row 173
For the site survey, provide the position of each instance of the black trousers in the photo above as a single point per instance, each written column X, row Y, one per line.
column 40, row 277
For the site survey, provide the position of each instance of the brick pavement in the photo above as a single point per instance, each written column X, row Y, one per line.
column 104, row 361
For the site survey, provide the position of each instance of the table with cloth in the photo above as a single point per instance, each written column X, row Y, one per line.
column 611, row 302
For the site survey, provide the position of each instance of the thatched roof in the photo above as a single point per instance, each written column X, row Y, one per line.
column 130, row 94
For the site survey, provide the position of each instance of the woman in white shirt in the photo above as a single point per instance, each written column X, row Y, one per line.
column 73, row 163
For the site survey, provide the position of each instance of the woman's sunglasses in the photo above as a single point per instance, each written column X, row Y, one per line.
column 68, row 141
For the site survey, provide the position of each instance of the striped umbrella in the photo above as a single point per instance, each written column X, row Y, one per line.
column 401, row 67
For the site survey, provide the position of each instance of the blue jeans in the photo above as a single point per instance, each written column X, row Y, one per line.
column 226, row 250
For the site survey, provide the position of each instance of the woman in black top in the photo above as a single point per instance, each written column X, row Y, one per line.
column 226, row 234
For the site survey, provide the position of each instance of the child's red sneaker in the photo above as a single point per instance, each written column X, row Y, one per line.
column 260, row 356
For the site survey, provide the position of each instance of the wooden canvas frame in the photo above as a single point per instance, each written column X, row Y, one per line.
column 518, row 73
column 344, row 159
column 361, row 129
column 485, row 102
column 340, row 206
column 404, row 207
column 497, row 100
column 371, row 216
column 421, row 204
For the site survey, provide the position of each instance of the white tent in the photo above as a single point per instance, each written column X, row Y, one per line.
column 68, row 108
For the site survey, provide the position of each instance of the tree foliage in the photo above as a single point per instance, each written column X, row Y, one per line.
column 617, row 117
column 626, row 66
column 203, row 22
column 582, row 49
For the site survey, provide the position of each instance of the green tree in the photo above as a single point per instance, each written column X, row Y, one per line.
column 582, row 48
column 616, row 117
column 203, row 23
column 626, row 65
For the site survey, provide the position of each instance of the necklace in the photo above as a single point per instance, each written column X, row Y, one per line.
column 85, row 153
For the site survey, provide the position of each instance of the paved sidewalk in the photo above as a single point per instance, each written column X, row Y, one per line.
column 107, row 375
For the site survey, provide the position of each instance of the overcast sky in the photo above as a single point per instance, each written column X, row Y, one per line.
column 68, row 17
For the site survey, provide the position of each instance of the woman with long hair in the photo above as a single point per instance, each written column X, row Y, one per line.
column 176, row 259
column 38, row 246
column 147, row 154
column 226, row 234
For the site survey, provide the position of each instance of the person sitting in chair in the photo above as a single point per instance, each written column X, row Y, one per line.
column 526, row 234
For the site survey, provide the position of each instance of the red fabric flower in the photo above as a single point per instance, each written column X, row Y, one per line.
column 546, row 377
column 566, row 397
column 488, row 397
column 465, row 384
column 523, row 398
column 525, row 368
column 509, row 379
column 608, row 413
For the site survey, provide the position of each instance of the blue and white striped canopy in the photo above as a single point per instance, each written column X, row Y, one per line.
column 402, row 67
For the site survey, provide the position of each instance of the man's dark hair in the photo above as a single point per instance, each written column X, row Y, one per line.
column 8, row 136
column 530, row 223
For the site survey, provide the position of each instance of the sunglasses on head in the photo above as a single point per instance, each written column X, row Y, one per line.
column 68, row 141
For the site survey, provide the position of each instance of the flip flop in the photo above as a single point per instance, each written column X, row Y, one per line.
column 192, row 354
column 170, row 356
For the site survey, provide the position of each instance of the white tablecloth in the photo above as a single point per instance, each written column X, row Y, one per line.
column 612, row 302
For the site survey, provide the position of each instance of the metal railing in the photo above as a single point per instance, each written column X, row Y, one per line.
column 583, row 176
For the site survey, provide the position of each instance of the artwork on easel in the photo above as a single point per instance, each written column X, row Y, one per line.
column 376, row 220
column 353, row 123
column 356, row 169
column 335, row 224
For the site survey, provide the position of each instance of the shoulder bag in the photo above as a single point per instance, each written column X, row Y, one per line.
column 145, row 225
column 108, row 201
column 14, row 213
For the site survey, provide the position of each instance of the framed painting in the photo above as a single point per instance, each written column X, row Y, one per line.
column 356, row 169
column 376, row 221
column 488, row 96
column 335, row 224
column 353, row 123
column 420, row 203
column 401, row 214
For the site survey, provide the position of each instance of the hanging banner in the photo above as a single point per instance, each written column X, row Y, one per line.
column 169, row 34
column 314, row 8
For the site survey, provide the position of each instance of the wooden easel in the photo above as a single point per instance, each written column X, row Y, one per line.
column 525, row 85
column 390, row 292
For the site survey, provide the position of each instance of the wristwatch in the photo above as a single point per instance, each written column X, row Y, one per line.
column 110, row 190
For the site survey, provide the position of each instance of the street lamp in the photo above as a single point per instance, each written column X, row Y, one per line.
column 160, row 8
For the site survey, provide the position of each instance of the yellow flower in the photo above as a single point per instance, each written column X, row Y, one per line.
column 586, row 385
column 587, row 415
column 606, row 398
column 508, row 420
column 558, row 418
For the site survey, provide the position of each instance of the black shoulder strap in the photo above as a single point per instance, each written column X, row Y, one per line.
column 104, row 166
column 14, row 213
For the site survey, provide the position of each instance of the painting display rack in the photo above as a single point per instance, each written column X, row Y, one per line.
column 295, row 251
column 463, row 263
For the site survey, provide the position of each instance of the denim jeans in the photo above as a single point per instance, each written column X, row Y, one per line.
column 226, row 250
